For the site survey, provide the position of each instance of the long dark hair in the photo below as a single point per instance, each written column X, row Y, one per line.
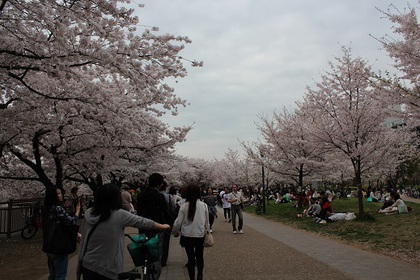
column 192, row 195
column 107, row 199
column 50, row 199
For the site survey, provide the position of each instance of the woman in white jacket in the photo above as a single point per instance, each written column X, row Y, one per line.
column 192, row 223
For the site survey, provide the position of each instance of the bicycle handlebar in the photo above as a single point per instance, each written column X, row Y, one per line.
column 137, row 241
column 149, row 233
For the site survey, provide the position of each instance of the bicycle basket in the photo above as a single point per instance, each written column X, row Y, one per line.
column 141, row 250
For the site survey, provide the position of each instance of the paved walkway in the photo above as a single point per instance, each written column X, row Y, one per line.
column 294, row 254
column 412, row 199
column 354, row 262
column 269, row 250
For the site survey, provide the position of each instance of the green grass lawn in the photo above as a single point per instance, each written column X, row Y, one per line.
column 395, row 235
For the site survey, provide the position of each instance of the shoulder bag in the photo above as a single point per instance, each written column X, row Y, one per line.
column 59, row 238
column 241, row 204
column 208, row 237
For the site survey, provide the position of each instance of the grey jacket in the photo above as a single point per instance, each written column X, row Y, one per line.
column 105, row 251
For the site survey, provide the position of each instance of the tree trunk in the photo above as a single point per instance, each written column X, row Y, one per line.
column 358, row 183
column 300, row 186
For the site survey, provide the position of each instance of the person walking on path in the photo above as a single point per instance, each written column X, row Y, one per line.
column 166, row 237
column 153, row 205
column 211, row 201
column 191, row 224
column 226, row 205
column 125, row 198
column 236, row 200
column 101, row 256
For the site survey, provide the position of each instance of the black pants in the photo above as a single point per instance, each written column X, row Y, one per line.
column 91, row 275
column 387, row 203
column 226, row 212
column 211, row 220
column 165, row 249
column 195, row 252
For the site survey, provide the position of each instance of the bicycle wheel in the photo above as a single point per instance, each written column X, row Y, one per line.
column 151, row 271
column 258, row 208
column 28, row 231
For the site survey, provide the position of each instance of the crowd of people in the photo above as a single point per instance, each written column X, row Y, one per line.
column 156, row 210
column 321, row 211
column 161, row 211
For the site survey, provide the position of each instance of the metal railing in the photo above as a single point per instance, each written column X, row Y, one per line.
column 14, row 213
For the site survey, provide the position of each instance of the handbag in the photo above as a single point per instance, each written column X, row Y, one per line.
column 208, row 239
column 59, row 238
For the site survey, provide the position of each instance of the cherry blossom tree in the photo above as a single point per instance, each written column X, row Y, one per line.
column 350, row 119
column 234, row 168
column 82, row 91
column 404, row 87
column 183, row 171
column 287, row 147
column 405, row 51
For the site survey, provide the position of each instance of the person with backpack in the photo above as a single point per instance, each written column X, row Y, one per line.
column 166, row 237
column 152, row 204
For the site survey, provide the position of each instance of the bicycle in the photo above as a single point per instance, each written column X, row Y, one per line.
column 33, row 224
column 144, row 251
column 257, row 202
column 258, row 207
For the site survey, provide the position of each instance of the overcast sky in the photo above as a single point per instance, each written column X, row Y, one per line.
column 258, row 58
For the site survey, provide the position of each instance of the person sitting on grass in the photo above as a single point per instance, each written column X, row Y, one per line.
column 373, row 196
column 284, row 198
column 303, row 200
column 326, row 209
column 389, row 200
column 313, row 210
column 397, row 207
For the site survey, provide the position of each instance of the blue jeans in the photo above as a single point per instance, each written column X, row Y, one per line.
column 57, row 266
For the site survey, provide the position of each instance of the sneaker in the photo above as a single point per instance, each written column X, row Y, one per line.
column 211, row 231
column 234, row 232
column 241, row 231
column 323, row 222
